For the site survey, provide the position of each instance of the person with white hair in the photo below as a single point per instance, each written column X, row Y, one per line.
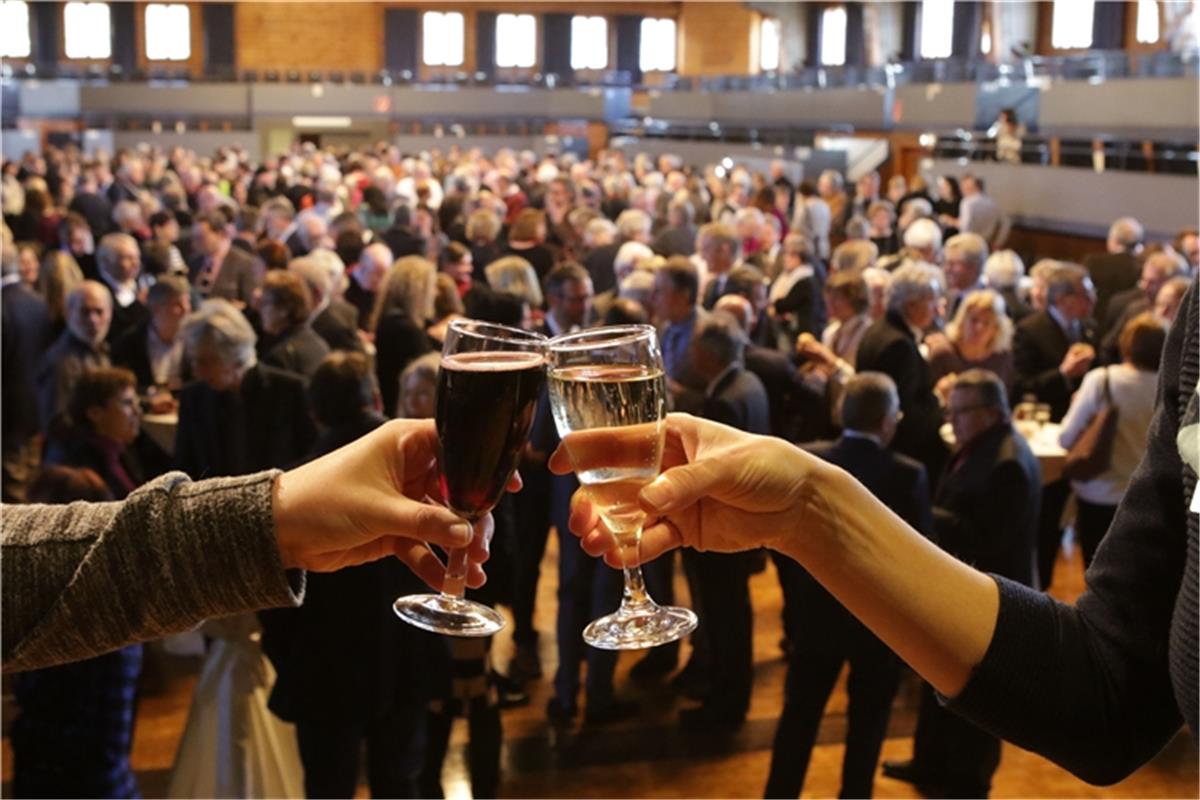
column 119, row 261
column 892, row 345
column 630, row 256
column 963, row 257
column 1004, row 272
column 80, row 347
column 633, row 225
column 678, row 238
column 331, row 317
column 365, row 279
column 925, row 237
column 1118, row 268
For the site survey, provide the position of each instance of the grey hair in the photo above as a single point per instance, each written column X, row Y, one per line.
column 854, row 254
column 1003, row 269
column 515, row 275
column 869, row 399
column 1064, row 280
column 106, row 250
column 1126, row 232
column 720, row 335
column 628, row 257
column 970, row 247
column 834, row 177
column 218, row 325
column 913, row 281
column 597, row 230
column 923, row 234
column 633, row 222
column 637, row 286
column 321, row 269
column 988, row 387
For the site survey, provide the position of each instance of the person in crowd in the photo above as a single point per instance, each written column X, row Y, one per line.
column 273, row 254
column 963, row 257
column 1039, row 282
column 897, row 191
column 1170, row 297
column 288, row 341
column 25, row 333
column 238, row 416
column 218, row 269
column 892, row 346
column 812, row 218
column 866, row 192
column 118, row 259
column 825, row 636
column 675, row 310
column 1052, row 351
column 979, row 213
column 82, row 346
column 795, row 297
column 483, row 231
column 720, row 671
column 73, row 731
column 978, row 337
column 349, row 675
column 678, row 238
column 633, row 225
column 58, row 276
column 153, row 350
column 1117, row 269
column 986, row 515
column 128, row 219
column 277, row 220
column 1157, row 269
column 516, row 276
column 374, row 213
column 1008, row 134
column 526, row 239
column 332, row 317
column 29, row 256
column 923, row 239
column 1128, row 387
column 77, row 240
column 718, row 247
column 1002, row 272
column 455, row 261
column 365, row 279
column 830, row 361
column 1187, row 244
column 403, row 308
column 853, row 256
column 630, row 256
column 164, row 229
column 881, row 217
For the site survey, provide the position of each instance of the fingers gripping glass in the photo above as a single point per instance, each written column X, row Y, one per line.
column 612, row 378
column 488, row 387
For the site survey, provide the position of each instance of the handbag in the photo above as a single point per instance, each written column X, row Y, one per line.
column 1091, row 454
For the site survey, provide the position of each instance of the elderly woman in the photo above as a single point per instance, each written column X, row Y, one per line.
column 1129, row 387
column 483, row 229
column 516, row 276
column 881, row 217
column 288, row 341
column 795, row 296
column 105, row 419
column 1003, row 272
column 979, row 337
column 403, row 310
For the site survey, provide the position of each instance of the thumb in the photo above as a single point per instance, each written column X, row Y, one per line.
column 680, row 487
column 426, row 522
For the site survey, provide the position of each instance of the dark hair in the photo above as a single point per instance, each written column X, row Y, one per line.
column 349, row 246
column 94, row 389
column 375, row 200
column 626, row 311
column 453, row 253
column 869, row 399
column 807, row 188
column 247, row 219
column 988, row 388
column 743, row 280
column 482, row 303
column 215, row 220
column 342, row 387
column 160, row 218
column 290, row 292
column 1142, row 341
column 563, row 274
column 274, row 255
column 682, row 274
column 59, row 484
column 720, row 335
column 952, row 182
column 166, row 289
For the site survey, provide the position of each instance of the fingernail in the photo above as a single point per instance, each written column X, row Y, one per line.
column 656, row 495
column 461, row 531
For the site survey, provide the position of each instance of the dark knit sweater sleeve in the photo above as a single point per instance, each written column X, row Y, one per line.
column 86, row 578
column 1090, row 686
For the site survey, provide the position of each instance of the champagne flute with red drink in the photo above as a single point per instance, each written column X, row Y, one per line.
column 488, row 387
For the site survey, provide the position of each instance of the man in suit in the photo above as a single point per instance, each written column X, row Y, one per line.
column 1157, row 269
column 239, row 416
column 400, row 238
column 1052, row 351
column 718, row 246
column 679, row 237
column 24, row 334
column 1117, row 269
column 986, row 515
column 824, row 635
column 153, row 350
column 632, row 226
column 81, row 347
column 119, row 260
column 673, row 304
column 332, row 318
column 963, row 258
column 219, row 269
column 365, row 280
column 723, row 657
column 892, row 346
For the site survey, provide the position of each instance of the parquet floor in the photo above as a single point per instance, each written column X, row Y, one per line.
column 648, row 756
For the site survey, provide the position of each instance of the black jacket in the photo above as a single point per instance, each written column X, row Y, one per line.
column 238, row 278
column 337, row 324
column 988, row 505
column 132, row 352
column 740, row 401
column 265, row 424
column 1039, row 346
column 398, row 340
column 24, row 335
column 1111, row 273
column 298, row 350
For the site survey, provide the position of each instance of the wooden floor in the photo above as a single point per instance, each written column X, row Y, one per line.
column 647, row 756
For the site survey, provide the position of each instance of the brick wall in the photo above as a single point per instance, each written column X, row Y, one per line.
column 302, row 36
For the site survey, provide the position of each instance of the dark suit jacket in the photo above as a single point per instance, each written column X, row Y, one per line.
column 888, row 346
column 599, row 264
column 96, row 209
column 398, row 340
column 675, row 242
column 1123, row 307
column 24, row 335
column 59, row 371
column 338, row 326
column 131, row 352
column 268, row 415
column 804, row 305
column 740, row 401
column 125, row 319
column 1111, row 273
column 1039, row 346
column 790, row 401
column 238, row 278
column 299, row 351
column 988, row 505
column 403, row 242
column 343, row 657
column 1013, row 306
column 362, row 301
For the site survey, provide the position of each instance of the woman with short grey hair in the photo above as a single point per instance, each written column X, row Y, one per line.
column 514, row 275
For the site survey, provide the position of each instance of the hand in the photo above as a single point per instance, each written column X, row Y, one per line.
column 369, row 500
column 808, row 346
column 720, row 489
column 937, row 340
column 162, row 402
column 1078, row 360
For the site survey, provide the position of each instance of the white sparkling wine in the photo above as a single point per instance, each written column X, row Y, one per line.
column 629, row 401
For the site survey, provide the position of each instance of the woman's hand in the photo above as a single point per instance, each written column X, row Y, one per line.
column 720, row 489
column 371, row 499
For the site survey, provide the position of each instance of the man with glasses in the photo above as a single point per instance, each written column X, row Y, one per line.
column 986, row 515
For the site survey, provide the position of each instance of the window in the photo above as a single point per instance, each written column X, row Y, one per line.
column 833, row 36
column 168, row 32
column 657, row 50
column 14, row 30
column 589, row 43
column 768, row 44
column 985, row 38
column 1147, row 21
column 516, row 40
column 87, row 30
column 937, row 28
column 1071, row 24
column 442, row 38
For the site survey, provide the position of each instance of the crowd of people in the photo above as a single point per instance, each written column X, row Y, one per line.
column 279, row 310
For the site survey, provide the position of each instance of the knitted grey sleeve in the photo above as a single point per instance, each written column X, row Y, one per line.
column 85, row 578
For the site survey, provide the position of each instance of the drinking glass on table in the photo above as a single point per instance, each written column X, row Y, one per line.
column 612, row 378
column 488, row 387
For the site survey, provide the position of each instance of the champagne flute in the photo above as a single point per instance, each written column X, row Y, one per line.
column 612, row 378
column 488, row 386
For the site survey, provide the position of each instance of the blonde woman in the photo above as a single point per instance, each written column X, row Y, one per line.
column 514, row 275
column 403, row 309
column 979, row 337
column 59, row 274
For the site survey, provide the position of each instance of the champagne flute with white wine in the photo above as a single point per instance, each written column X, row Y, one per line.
column 612, row 378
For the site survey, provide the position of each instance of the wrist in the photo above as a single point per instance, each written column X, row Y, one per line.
column 283, row 514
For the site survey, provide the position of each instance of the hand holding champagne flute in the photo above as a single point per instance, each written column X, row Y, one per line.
column 613, row 378
column 488, row 386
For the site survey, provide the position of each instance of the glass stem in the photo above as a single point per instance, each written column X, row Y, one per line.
column 455, row 583
column 635, row 594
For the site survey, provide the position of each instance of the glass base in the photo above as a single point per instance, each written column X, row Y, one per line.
column 636, row 628
column 452, row 616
